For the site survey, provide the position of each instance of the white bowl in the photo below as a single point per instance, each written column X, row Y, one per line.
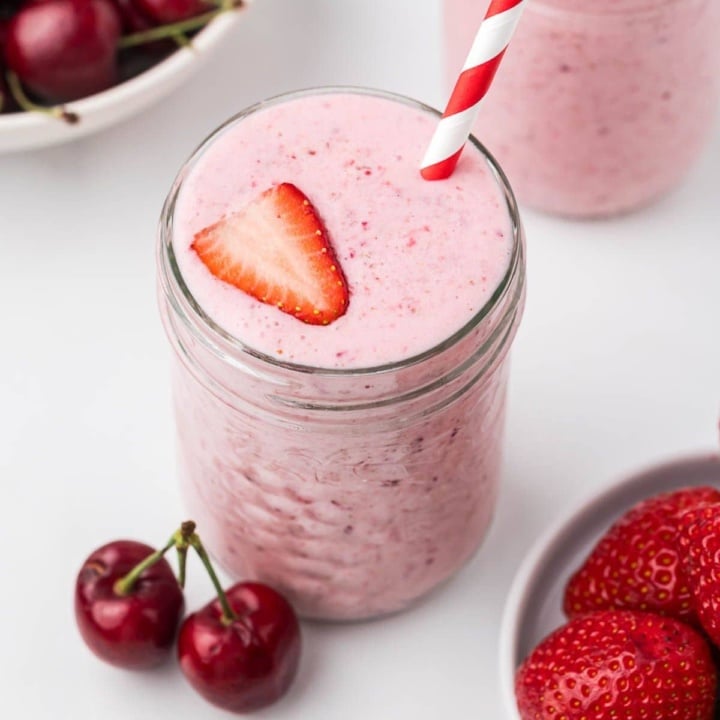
column 24, row 130
column 534, row 605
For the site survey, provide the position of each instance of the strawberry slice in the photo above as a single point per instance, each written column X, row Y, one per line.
column 277, row 250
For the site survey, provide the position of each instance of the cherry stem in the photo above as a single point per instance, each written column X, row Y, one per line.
column 228, row 614
column 58, row 111
column 182, row 543
column 182, row 564
column 181, row 540
column 182, row 41
column 124, row 585
column 174, row 30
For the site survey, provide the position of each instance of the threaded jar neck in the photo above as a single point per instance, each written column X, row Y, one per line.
column 240, row 375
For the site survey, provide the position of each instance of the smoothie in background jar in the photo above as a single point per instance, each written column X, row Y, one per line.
column 599, row 106
column 353, row 466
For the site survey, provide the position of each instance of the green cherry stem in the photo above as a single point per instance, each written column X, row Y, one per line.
column 228, row 614
column 174, row 30
column 182, row 564
column 182, row 543
column 124, row 585
column 182, row 41
column 59, row 111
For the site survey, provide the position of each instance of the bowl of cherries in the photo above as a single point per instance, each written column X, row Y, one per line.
column 71, row 67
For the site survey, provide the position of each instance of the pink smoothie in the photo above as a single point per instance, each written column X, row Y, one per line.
column 355, row 492
column 598, row 107
column 420, row 258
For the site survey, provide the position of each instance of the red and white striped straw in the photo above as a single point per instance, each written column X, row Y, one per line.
column 477, row 74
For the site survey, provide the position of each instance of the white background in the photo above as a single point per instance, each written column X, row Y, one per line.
column 616, row 367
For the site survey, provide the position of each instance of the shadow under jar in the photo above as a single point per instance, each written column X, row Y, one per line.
column 599, row 107
column 353, row 491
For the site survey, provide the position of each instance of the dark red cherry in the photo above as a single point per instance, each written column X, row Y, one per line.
column 4, row 24
column 64, row 49
column 131, row 628
column 249, row 661
column 8, row 8
column 165, row 12
column 132, row 18
column 7, row 102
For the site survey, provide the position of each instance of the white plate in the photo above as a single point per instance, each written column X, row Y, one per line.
column 21, row 131
column 534, row 605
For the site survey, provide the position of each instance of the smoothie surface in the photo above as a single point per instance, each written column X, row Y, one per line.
column 420, row 258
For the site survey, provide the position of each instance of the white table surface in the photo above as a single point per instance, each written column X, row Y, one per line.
column 616, row 366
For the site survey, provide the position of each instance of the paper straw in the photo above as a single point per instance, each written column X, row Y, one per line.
column 477, row 74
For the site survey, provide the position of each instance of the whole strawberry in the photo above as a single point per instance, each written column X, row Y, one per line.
column 699, row 545
column 618, row 665
column 635, row 565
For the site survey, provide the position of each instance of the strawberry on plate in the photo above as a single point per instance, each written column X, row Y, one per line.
column 277, row 250
column 699, row 545
column 636, row 565
column 618, row 665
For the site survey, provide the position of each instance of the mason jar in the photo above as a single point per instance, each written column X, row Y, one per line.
column 352, row 491
column 598, row 107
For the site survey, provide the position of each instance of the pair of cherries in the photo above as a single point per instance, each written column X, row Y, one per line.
column 240, row 651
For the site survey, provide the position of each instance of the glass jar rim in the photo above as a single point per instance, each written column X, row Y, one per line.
column 219, row 341
column 600, row 10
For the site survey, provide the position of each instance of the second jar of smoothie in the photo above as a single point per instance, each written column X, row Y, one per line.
column 599, row 107
column 352, row 464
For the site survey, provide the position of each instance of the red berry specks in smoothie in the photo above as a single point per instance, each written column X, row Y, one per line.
column 277, row 250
